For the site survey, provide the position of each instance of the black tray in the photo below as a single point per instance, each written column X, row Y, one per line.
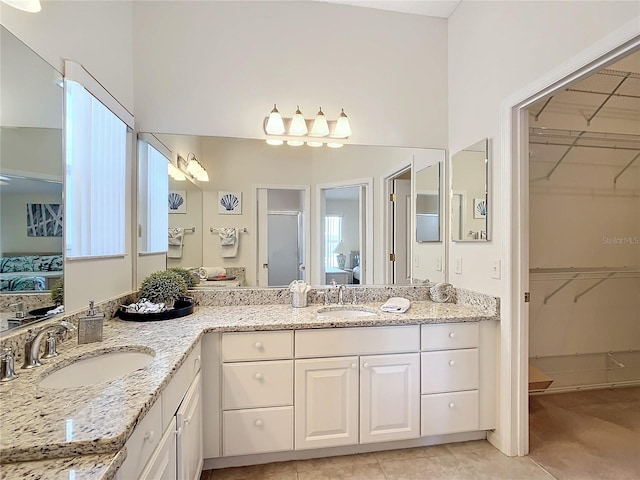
column 181, row 308
column 41, row 312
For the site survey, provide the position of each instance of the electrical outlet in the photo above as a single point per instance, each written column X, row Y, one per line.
column 458, row 266
column 438, row 264
column 496, row 269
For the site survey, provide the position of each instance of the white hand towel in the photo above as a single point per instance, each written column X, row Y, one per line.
column 228, row 242
column 206, row 273
column 396, row 305
column 176, row 236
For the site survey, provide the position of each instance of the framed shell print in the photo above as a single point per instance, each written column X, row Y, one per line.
column 230, row 203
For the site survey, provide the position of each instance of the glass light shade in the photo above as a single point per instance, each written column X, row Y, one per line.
column 295, row 143
column 341, row 248
column 275, row 125
column 315, row 144
column 193, row 168
column 335, row 145
column 320, row 126
column 31, row 6
column 175, row 173
column 298, row 125
column 203, row 176
column 274, row 141
column 343, row 129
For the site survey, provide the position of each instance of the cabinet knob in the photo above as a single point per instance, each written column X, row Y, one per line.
column 451, row 405
column 258, row 376
column 452, row 335
column 196, row 361
column 258, row 345
column 365, row 365
column 353, row 365
column 149, row 436
column 452, row 363
column 258, row 423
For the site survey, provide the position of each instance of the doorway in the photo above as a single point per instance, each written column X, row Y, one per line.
column 399, row 209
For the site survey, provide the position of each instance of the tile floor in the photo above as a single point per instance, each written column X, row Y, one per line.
column 459, row 461
column 587, row 435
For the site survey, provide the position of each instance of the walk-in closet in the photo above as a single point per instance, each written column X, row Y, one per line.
column 584, row 258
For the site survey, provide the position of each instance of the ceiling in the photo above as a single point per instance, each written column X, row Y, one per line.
column 431, row 8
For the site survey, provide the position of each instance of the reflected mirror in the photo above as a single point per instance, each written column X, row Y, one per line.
column 427, row 185
column 31, row 171
column 245, row 167
column 469, row 196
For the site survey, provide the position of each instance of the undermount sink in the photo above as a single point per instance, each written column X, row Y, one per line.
column 346, row 311
column 102, row 367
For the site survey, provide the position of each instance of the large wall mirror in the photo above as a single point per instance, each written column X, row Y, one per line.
column 255, row 172
column 31, row 172
column 469, row 193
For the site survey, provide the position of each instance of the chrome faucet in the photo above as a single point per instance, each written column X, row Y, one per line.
column 32, row 345
column 341, row 289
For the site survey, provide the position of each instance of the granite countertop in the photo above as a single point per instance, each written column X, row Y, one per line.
column 41, row 426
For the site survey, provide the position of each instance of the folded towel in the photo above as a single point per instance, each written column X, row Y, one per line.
column 228, row 242
column 396, row 305
column 145, row 306
column 176, row 236
column 211, row 272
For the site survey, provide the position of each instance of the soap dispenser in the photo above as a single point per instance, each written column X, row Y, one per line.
column 90, row 326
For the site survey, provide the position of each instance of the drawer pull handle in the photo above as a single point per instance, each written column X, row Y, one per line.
column 353, row 365
column 196, row 361
column 365, row 365
column 452, row 335
column 451, row 405
column 258, row 423
column 258, row 376
column 149, row 436
column 451, row 363
column 258, row 345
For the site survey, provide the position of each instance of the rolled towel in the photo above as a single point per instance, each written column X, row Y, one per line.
column 396, row 305
column 211, row 272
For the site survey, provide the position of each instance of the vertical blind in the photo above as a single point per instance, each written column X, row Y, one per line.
column 332, row 236
column 96, row 143
column 153, row 187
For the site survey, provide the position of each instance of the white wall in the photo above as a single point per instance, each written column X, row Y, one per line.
column 217, row 68
column 495, row 50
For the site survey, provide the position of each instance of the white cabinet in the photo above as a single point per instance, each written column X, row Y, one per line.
column 389, row 397
column 258, row 430
column 326, row 401
column 189, row 433
column 162, row 465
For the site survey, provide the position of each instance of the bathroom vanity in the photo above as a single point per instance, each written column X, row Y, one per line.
column 231, row 382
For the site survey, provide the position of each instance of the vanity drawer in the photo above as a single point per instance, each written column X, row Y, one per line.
column 449, row 370
column 336, row 342
column 142, row 443
column 449, row 336
column 257, row 384
column 444, row 413
column 246, row 346
column 259, row 430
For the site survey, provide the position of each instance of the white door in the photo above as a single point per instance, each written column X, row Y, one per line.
column 326, row 402
column 162, row 464
column 189, row 428
column 283, row 248
column 401, row 226
column 389, row 397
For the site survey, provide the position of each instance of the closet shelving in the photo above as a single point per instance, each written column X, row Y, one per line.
column 601, row 274
column 572, row 139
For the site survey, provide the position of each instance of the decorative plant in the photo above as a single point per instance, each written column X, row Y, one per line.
column 165, row 286
column 186, row 275
column 57, row 292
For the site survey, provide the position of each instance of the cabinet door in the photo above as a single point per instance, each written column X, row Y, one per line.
column 189, row 427
column 326, row 402
column 162, row 464
column 389, row 397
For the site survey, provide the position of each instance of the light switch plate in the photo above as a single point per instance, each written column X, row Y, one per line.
column 416, row 261
column 496, row 269
column 438, row 264
column 458, row 265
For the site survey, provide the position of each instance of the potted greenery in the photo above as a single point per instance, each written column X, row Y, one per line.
column 165, row 286
column 57, row 293
column 187, row 276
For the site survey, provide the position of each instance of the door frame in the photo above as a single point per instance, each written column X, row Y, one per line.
column 512, row 434
column 306, row 219
column 387, row 189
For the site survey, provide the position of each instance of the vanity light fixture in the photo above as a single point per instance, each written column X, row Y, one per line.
column 306, row 130
column 192, row 167
column 176, row 173
column 31, row 6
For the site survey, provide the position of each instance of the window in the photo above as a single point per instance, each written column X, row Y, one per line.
column 332, row 236
column 153, row 191
column 96, row 159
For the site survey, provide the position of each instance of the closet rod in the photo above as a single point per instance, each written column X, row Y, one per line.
column 615, row 179
column 593, row 92
column 554, row 144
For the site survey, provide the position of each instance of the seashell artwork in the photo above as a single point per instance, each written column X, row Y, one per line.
column 229, row 203
column 177, row 202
